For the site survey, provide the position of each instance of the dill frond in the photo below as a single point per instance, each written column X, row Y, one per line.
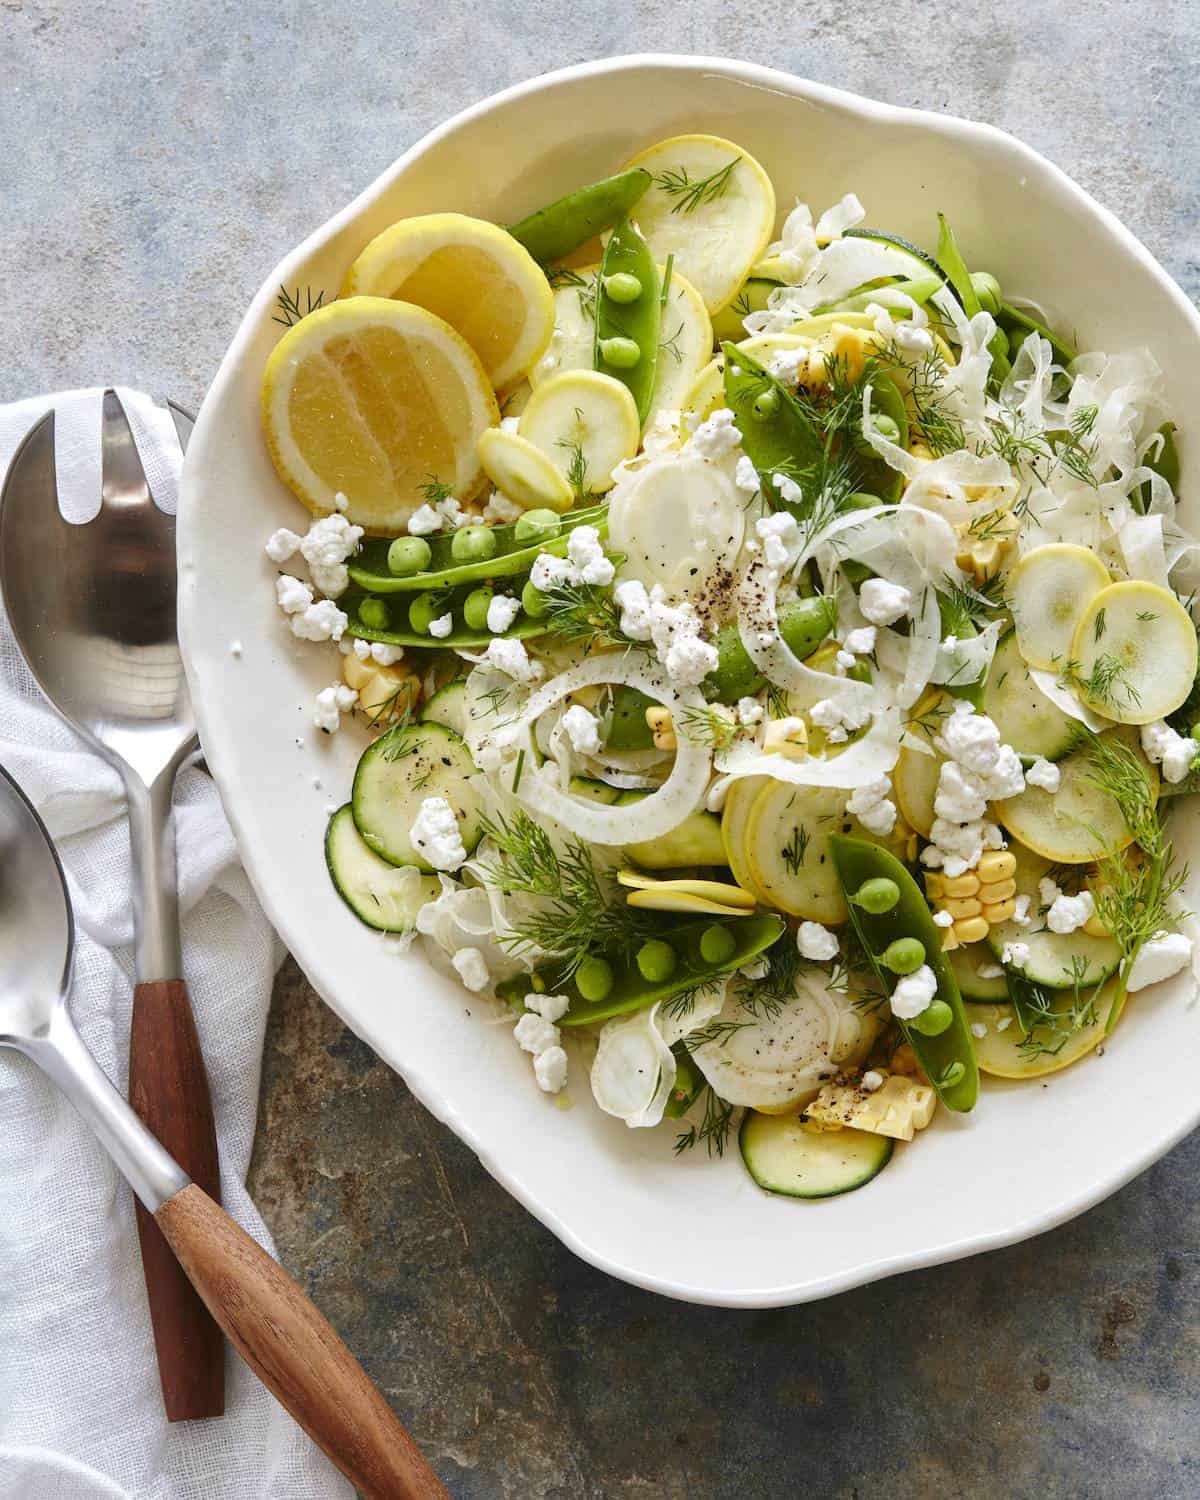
column 290, row 309
column 713, row 1130
column 690, row 192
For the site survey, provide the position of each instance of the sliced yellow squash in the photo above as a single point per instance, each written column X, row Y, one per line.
column 1048, row 592
column 586, row 424
column 787, row 849
column 523, row 472
column 1006, row 1054
column 1134, row 652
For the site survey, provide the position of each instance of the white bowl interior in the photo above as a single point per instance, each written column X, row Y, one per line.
column 1031, row 1155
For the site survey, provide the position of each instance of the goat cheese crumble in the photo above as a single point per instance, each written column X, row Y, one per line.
column 471, row 967
column 436, row 836
column 582, row 729
column 871, row 804
column 502, row 611
column 716, row 436
column 914, row 993
column 442, row 626
column 1164, row 955
column 331, row 703
column 816, row 943
column 325, row 548
column 1165, row 747
column 883, row 603
column 512, row 658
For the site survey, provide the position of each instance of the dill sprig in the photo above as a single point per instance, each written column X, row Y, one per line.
column 585, row 288
column 580, row 910
column 1071, row 448
column 1047, row 1022
column 707, row 726
column 290, row 309
column 691, row 192
column 1107, row 683
column 584, row 612
column 715, row 1033
column 435, row 492
column 1135, row 893
column 713, row 1130
column 577, row 469
column 765, row 997
column 963, row 609
column 671, row 346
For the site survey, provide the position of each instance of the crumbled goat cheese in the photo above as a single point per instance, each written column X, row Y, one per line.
column 502, row 611
column 970, row 738
column 872, row 806
column 294, row 596
column 512, row 658
column 325, row 548
column 322, row 621
column 914, row 993
column 281, row 545
column 977, row 770
column 816, row 942
column 550, row 1070
column 634, row 603
column 1165, row 954
column 1004, row 1023
column 471, row 967
column 1065, row 913
column 535, row 1034
column 1045, row 774
column 586, row 554
column 844, row 660
column 749, row 712
column 838, row 720
column 716, row 436
column 943, row 919
column 789, row 491
column 714, row 798
column 788, row 365
column 1172, row 751
column 957, row 847
column 332, row 702
column 235, row 648
column 990, row 971
column 340, row 502
column 675, row 631
column 356, row 646
column 1021, row 910
column 550, row 572
column 746, row 476
column 861, row 642
column 424, row 522
column 883, row 603
column 509, row 424
column 500, row 510
column 978, row 1029
column 780, row 537
column 1015, row 955
column 959, row 797
column 872, row 1080
column 384, row 655
column 549, row 1007
column 442, row 626
column 436, row 836
column 582, row 729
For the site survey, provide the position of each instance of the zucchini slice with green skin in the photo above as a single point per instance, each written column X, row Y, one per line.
column 448, row 706
column 752, row 935
column 1057, row 960
column 397, row 773
column 966, row 963
column 948, row 1059
column 384, row 896
column 925, row 261
column 730, row 322
column 1026, row 718
column 787, row 1157
column 369, row 569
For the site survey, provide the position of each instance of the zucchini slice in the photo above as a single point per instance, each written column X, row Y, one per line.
column 787, row 849
column 966, row 964
column 384, row 896
column 448, row 706
column 395, row 775
column 1079, row 823
column 695, row 841
column 739, row 802
column 1025, row 717
column 1135, row 649
column 787, row 1157
column 1055, row 958
column 1048, row 592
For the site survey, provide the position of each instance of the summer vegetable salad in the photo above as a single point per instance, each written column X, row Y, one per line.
column 778, row 656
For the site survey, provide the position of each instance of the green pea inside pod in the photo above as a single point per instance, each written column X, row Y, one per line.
column 903, row 955
column 934, row 1019
column 656, row 960
column 877, row 895
column 375, row 614
column 475, row 607
column 408, row 555
column 594, row 978
column 533, row 601
column 623, row 287
column 628, row 331
column 423, row 610
column 537, row 526
column 717, row 944
column 473, row 544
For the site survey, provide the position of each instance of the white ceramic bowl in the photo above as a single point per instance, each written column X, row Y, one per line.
column 1030, row 1156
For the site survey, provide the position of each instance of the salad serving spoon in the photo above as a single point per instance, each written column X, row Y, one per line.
column 92, row 607
column 264, row 1314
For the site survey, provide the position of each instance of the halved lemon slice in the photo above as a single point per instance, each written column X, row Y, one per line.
column 375, row 398
column 711, row 206
column 472, row 274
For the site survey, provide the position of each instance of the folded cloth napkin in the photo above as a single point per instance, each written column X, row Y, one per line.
column 80, row 1405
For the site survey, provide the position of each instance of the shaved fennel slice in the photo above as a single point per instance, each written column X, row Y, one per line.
column 675, row 1021
column 1062, row 697
column 968, row 659
column 864, row 760
column 1143, row 548
column 652, row 816
column 633, row 1071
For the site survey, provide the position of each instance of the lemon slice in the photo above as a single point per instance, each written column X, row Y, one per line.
column 375, row 398
column 711, row 206
column 586, row 424
column 472, row 274
column 523, row 472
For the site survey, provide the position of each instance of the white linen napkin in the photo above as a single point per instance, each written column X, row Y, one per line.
column 80, row 1404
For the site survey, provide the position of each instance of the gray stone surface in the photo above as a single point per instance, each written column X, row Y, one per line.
column 157, row 161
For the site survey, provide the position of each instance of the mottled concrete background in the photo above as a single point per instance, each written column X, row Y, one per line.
column 157, row 161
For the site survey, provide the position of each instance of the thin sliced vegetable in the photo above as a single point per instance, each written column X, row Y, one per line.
column 394, row 777
column 972, row 985
column 553, row 231
column 1048, row 592
column 947, row 1058
column 523, row 472
column 1008, row 1050
column 384, row 896
column 1026, row 718
column 1134, row 653
column 448, row 706
column 685, row 346
column 785, row 1156
column 730, row 322
column 1019, row 325
column 787, row 849
column 586, row 423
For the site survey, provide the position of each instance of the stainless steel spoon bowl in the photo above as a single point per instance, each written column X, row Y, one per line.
column 263, row 1313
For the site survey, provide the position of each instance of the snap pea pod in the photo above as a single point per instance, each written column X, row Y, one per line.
column 1014, row 321
column 628, row 315
column 369, row 567
column 393, row 626
column 803, row 623
column 562, row 226
column 950, row 259
column 777, row 435
column 874, row 475
column 949, row 1057
column 630, row 990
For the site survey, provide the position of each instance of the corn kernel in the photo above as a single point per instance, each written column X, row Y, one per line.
column 357, row 673
column 961, row 885
column 997, row 890
column 935, row 886
column 965, row 906
column 971, row 929
column 1000, row 911
column 996, row 864
column 388, row 694
column 920, row 450
column 786, row 737
column 949, row 940
column 658, row 721
column 1094, row 927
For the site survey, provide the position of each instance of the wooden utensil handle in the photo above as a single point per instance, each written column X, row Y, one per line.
column 294, row 1351
column 168, row 1089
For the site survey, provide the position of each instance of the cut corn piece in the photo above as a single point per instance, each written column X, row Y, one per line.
column 964, row 906
column 899, row 1109
column 1003, row 911
column 996, row 864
